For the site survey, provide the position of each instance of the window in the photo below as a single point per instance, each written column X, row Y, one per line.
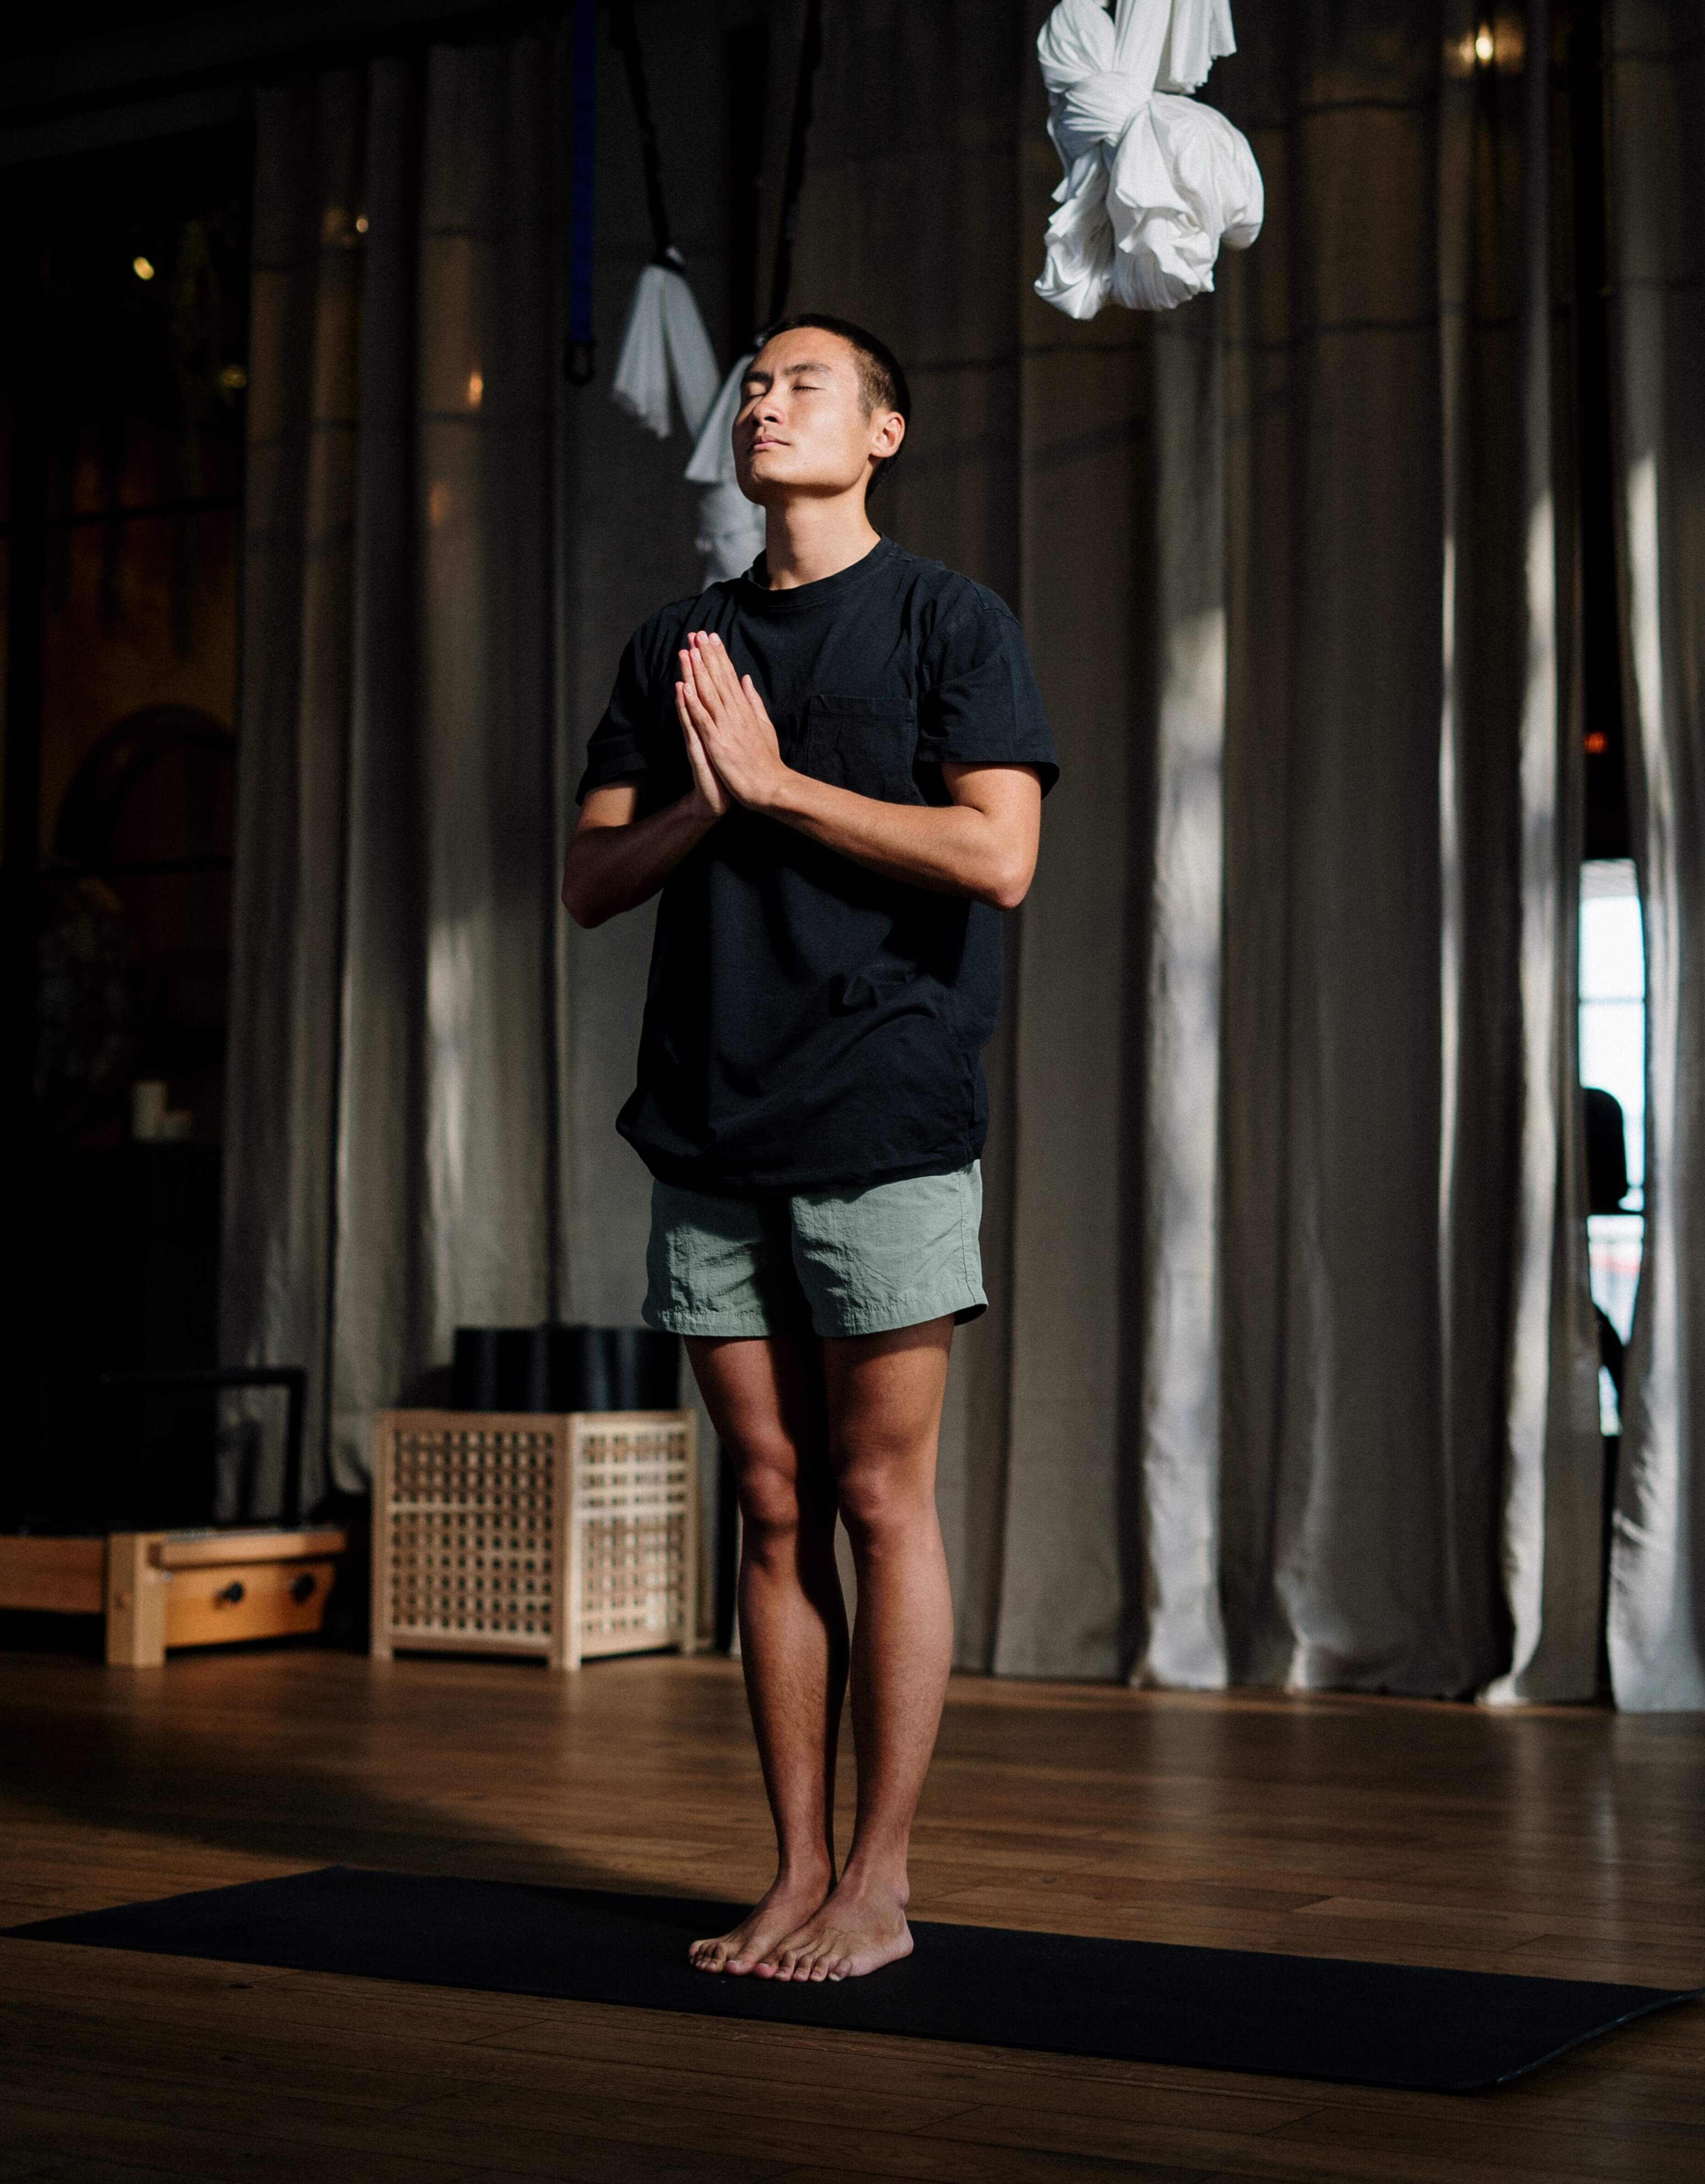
column 1613, row 1058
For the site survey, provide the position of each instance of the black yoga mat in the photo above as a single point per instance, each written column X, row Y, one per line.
column 1221, row 2009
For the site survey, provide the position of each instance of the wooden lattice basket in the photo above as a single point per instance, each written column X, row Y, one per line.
column 511, row 1532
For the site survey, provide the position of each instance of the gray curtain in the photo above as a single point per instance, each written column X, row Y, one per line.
column 1658, row 197
column 393, row 1139
column 1291, row 1375
column 1288, row 1374
column 446, row 549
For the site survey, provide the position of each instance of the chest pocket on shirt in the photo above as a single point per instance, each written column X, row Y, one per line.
column 866, row 744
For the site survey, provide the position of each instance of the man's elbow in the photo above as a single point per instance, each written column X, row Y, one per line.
column 1010, row 882
column 585, row 913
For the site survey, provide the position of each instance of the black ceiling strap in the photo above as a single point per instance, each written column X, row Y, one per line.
column 624, row 34
column 811, row 52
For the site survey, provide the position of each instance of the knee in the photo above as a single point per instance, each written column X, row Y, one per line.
column 878, row 1495
column 765, row 1476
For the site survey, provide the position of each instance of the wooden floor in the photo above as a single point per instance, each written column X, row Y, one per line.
column 1563, row 1842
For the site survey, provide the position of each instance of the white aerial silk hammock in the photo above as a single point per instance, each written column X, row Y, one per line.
column 1154, row 181
column 731, row 527
column 665, row 343
column 664, row 340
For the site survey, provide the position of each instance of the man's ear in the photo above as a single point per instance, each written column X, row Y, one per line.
column 889, row 432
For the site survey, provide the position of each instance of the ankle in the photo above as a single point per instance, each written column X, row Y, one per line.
column 806, row 1869
column 882, row 1879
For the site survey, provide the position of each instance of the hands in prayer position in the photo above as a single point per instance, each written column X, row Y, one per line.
column 981, row 843
column 731, row 741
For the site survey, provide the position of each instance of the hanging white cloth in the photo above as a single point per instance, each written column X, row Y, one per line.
column 664, row 339
column 1154, row 181
column 731, row 527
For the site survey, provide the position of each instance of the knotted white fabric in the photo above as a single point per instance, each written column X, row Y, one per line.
column 664, row 338
column 1154, row 181
column 731, row 527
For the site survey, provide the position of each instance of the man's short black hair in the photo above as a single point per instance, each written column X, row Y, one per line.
column 881, row 379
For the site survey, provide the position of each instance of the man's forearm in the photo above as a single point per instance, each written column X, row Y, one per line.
column 952, row 848
column 610, row 869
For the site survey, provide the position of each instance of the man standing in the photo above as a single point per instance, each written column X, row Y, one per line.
column 833, row 768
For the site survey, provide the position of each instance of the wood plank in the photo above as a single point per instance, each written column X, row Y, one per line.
column 212, row 1603
column 136, row 1596
column 424, row 2140
column 200, row 1549
column 65, row 1577
column 1381, row 1829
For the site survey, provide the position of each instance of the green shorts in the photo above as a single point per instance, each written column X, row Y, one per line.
column 831, row 1261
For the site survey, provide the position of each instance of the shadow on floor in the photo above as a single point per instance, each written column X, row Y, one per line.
column 263, row 1755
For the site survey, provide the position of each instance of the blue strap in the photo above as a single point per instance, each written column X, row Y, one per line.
column 577, row 360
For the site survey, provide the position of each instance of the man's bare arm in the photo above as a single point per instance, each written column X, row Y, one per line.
column 615, row 861
column 984, row 843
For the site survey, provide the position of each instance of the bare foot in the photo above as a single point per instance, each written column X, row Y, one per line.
column 858, row 1931
column 776, row 1915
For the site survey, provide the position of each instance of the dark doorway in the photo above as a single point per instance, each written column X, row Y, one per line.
column 122, row 409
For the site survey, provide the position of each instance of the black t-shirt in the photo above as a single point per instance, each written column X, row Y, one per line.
column 811, row 1023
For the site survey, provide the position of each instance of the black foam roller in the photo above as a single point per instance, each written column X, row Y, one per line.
column 565, row 1367
column 644, row 1368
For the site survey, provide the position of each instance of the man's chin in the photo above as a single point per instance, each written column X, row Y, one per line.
column 776, row 488
column 762, row 484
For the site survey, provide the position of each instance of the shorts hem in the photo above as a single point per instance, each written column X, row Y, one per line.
column 883, row 1318
column 723, row 1326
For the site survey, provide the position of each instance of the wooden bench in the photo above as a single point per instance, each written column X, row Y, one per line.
column 158, row 1590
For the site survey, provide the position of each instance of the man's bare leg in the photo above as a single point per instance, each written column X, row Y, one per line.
column 760, row 1396
column 884, row 1394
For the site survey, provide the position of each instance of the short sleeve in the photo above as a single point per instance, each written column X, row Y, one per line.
column 625, row 742
column 979, row 705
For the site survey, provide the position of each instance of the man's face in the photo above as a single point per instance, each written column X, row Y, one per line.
column 802, row 426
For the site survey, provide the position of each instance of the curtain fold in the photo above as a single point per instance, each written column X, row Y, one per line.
column 1179, row 1635
column 392, row 1125
column 299, row 619
column 1289, row 1375
column 1297, row 1375
column 1521, row 1407
column 1657, row 84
